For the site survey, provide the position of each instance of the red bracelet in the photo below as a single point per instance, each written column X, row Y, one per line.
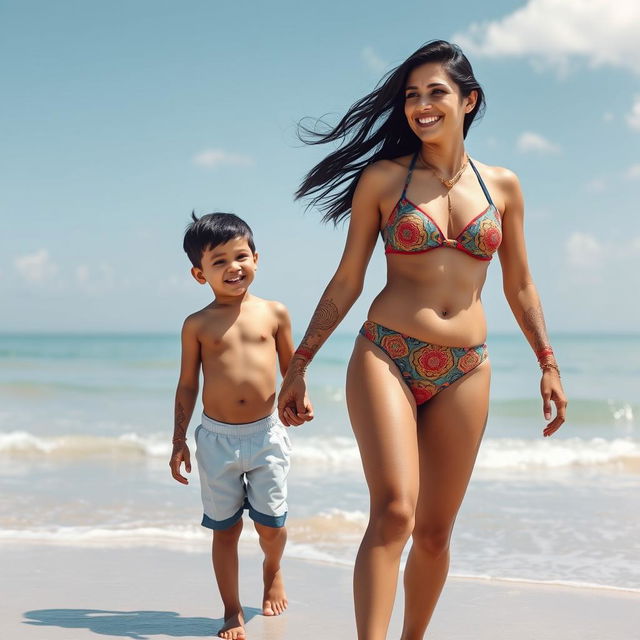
column 305, row 353
column 545, row 351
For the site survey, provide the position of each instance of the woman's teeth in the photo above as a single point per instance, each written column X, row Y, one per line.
column 429, row 120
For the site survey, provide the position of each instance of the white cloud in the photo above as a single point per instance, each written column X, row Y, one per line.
column 603, row 32
column 36, row 267
column 214, row 158
column 529, row 141
column 633, row 119
column 633, row 172
column 584, row 251
column 373, row 60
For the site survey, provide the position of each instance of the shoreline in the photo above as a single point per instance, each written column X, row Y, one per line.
column 246, row 547
column 152, row 592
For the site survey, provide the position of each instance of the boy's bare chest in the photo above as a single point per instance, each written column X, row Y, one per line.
column 221, row 337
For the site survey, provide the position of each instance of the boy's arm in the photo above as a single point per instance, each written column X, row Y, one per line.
column 284, row 347
column 186, row 396
column 284, row 340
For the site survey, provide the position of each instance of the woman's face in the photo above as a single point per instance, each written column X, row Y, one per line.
column 433, row 105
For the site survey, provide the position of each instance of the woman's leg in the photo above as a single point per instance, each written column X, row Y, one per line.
column 450, row 428
column 383, row 417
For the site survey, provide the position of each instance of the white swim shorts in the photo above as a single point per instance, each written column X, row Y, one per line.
column 243, row 466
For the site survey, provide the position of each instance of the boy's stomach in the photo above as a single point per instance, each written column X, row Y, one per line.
column 239, row 400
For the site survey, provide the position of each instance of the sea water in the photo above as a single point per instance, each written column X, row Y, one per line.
column 85, row 439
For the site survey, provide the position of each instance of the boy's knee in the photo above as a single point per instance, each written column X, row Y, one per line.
column 269, row 534
column 230, row 534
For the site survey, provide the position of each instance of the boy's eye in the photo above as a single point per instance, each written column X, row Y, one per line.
column 218, row 263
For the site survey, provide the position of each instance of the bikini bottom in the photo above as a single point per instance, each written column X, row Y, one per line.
column 426, row 368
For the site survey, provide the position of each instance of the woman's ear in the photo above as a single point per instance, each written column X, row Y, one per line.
column 472, row 99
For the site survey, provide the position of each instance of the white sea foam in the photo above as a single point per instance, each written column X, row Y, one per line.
column 342, row 452
column 507, row 453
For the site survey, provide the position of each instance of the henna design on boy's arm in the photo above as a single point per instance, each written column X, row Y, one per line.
column 180, row 429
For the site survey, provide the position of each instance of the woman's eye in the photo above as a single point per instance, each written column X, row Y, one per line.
column 413, row 94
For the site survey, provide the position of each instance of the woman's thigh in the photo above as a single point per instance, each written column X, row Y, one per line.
column 383, row 417
column 450, row 429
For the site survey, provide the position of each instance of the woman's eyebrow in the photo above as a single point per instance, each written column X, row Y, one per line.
column 432, row 84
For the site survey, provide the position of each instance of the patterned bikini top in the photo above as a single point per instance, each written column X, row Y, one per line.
column 410, row 229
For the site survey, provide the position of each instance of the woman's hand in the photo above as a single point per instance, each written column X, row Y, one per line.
column 552, row 391
column 294, row 406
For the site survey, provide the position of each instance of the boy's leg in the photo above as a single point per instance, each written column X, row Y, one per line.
column 224, row 552
column 272, row 541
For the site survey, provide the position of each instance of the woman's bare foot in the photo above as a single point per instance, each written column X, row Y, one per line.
column 275, row 599
column 233, row 628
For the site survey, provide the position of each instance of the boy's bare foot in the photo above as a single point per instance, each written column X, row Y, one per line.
column 233, row 628
column 275, row 599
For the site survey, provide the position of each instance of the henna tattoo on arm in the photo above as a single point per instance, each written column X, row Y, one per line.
column 325, row 317
column 535, row 328
column 324, row 320
column 181, row 424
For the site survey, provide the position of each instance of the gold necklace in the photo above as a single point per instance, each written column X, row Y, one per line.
column 451, row 182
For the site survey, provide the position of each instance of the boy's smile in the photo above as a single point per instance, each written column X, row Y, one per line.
column 228, row 268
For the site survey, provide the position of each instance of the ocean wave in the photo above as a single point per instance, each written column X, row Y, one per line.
column 342, row 452
column 508, row 453
column 338, row 547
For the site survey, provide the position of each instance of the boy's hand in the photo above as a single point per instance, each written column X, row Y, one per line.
column 179, row 455
column 294, row 406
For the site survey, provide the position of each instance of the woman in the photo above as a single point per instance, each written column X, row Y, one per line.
column 418, row 378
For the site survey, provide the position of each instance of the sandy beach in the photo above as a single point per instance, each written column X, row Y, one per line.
column 57, row 592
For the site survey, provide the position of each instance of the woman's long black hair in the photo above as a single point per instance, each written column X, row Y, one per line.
column 375, row 128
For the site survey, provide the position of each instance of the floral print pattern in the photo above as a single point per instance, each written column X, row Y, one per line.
column 410, row 229
column 426, row 368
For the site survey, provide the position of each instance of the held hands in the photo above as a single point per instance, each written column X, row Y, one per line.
column 552, row 391
column 294, row 406
column 179, row 455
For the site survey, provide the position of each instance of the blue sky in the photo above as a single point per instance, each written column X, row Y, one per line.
column 119, row 118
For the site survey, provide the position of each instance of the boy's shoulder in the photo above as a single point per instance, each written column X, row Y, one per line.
column 252, row 306
column 273, row 306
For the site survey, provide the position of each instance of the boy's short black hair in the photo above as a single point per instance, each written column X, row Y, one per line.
column 213, row 229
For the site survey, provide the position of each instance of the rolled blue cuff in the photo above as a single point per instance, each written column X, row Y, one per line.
column 219, row 525
column 268, row 521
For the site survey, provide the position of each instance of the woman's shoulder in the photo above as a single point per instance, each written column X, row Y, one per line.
column 502, row 177
column 386, row 172
column 503, row 185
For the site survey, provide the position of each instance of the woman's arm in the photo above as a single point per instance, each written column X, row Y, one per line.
column 341, row 292
column 522, row 296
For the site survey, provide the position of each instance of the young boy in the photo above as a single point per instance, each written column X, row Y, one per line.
column 242, row 448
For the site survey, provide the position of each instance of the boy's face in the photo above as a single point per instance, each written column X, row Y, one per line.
column 228, row 268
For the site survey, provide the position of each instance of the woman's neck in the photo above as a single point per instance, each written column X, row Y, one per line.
column 445, row 159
